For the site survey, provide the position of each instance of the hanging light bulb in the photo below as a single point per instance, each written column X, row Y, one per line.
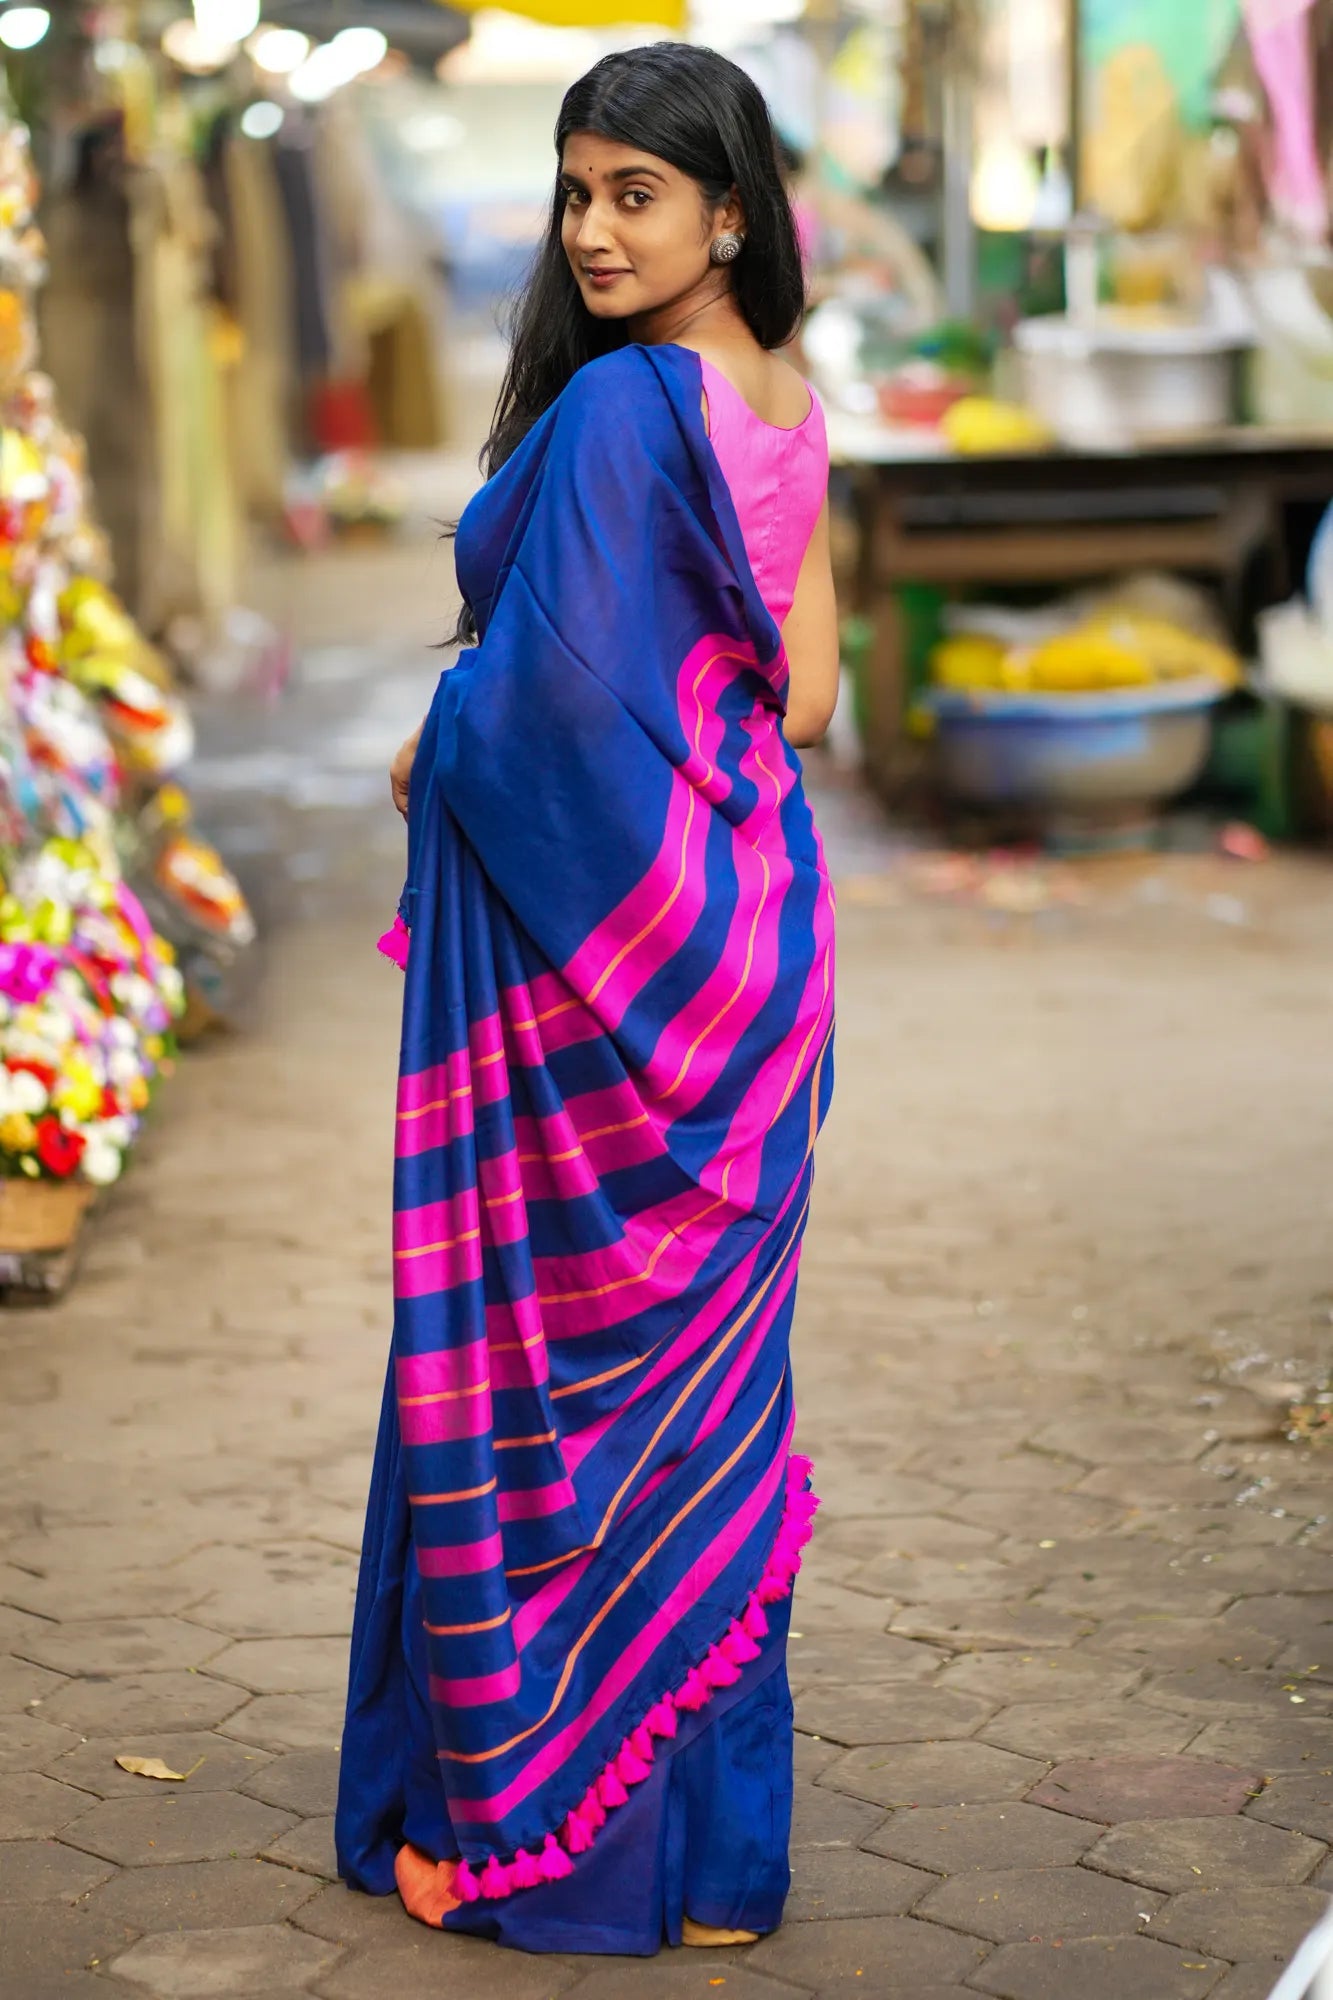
column 23, row 27
column 226, row 20
column 361, row 49
column 278, row 51
column 190, row 50
column 261, row 119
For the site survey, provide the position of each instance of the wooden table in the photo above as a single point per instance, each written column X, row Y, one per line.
column 1209, row 506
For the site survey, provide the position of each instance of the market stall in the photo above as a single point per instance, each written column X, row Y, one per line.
column 1134, row 377
column 118, row 923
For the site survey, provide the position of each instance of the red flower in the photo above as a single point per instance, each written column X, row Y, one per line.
column 58, row 1150
column 110, row 1104
column 43, row 1072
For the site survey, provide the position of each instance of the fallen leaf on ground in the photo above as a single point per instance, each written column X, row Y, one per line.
column 151, row 1767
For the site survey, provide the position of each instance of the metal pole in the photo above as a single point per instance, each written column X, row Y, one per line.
column 958, row 240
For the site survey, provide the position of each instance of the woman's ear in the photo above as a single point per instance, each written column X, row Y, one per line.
column 731, row 215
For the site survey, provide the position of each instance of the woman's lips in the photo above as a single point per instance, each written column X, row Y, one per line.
column 604, row 279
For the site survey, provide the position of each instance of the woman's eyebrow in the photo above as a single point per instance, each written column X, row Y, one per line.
column 569, row 179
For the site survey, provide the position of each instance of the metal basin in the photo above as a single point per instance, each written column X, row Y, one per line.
column 1073, row 753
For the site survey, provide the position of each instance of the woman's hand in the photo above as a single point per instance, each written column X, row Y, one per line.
column 400, row 771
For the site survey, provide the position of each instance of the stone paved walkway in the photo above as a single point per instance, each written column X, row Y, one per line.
column 1064, row 1652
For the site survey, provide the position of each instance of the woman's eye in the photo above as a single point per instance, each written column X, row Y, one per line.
column 574, row 197
column 638, row 197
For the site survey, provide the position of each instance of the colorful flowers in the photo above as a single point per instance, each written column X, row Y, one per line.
column 85, row 1023
column 58, row 1149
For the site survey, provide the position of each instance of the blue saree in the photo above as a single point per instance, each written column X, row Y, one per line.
column 585, row 1517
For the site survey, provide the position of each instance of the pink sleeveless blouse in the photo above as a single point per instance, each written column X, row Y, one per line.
column 778, row 480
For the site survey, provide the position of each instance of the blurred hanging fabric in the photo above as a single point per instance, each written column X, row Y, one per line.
column 590, row 13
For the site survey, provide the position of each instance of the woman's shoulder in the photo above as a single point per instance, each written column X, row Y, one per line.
column 612, row 381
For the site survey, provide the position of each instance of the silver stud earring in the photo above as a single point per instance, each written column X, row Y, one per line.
column 727, row 247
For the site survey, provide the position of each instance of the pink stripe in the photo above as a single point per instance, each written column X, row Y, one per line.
column 552, row 1171
column 534, row 1502
column 504, row 1213
column 530, row 1617
column 691, row 1588
column 480, row 1688
column 445, row 1423
column 463, row 1558
column 738, row 1373
column 695, row 1047
column 719, row 661
column 436, row 1127
column 517, row 1344
column 485, row 1037
column 660, row 1250
column 718, row 1308
column 443, row 1368
column 440, row 1270
column 427, row 1085
column 436, row 1222
column 654, row 920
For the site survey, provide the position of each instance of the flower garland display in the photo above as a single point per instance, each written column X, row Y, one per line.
column 93, row 737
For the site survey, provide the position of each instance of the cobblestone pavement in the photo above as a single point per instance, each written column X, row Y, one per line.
column 1064, row 1647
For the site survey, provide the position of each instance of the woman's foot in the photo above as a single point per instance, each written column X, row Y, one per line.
column 426, row 1886
column 706, row 1936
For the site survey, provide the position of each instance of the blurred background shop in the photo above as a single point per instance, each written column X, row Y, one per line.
column 1070, row 264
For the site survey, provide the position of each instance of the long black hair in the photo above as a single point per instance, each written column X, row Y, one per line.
column 704, row 116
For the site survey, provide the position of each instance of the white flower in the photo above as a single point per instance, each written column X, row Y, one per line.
column 122, row 1032
column 122, row 1067
column 26, row 1092
column 101, row 1164
column 118, row 1132
column 171, row 983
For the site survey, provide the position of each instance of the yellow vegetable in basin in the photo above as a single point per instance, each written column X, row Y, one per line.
column 969, row 661
column 1174, row 652
column 978, row 425
column 1086, row 661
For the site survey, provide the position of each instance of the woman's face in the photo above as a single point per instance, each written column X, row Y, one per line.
column 636, row 231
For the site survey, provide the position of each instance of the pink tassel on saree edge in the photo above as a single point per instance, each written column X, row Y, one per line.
column 394, row 943
column 630, row 1768
column 495, row 1880
column 661, row 1718
column 754, row 1622
column 555, row 1864
column 632, row 1763
column 526, row 1872
column 610, row 1790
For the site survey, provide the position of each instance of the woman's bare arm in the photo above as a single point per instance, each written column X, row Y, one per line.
column 811, row 638
column 400, row 771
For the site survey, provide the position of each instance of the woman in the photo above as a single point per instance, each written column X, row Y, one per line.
column 569, row 1727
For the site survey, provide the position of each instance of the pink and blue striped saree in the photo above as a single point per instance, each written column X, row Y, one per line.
column 616, row 1055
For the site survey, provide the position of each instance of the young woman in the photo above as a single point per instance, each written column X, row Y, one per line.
column 569, row 1727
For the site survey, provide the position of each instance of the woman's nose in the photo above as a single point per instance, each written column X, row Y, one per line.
column 594, row 228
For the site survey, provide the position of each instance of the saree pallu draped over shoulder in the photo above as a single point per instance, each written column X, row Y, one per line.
column 616, row 1055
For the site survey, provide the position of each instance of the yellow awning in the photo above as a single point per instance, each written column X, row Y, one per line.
column 589, row 13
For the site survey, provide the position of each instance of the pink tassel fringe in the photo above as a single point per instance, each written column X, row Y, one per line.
column 525, row 1873
column 555, row 1863
column 719, row 1668
column 394, row 943
column 661, row 1718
